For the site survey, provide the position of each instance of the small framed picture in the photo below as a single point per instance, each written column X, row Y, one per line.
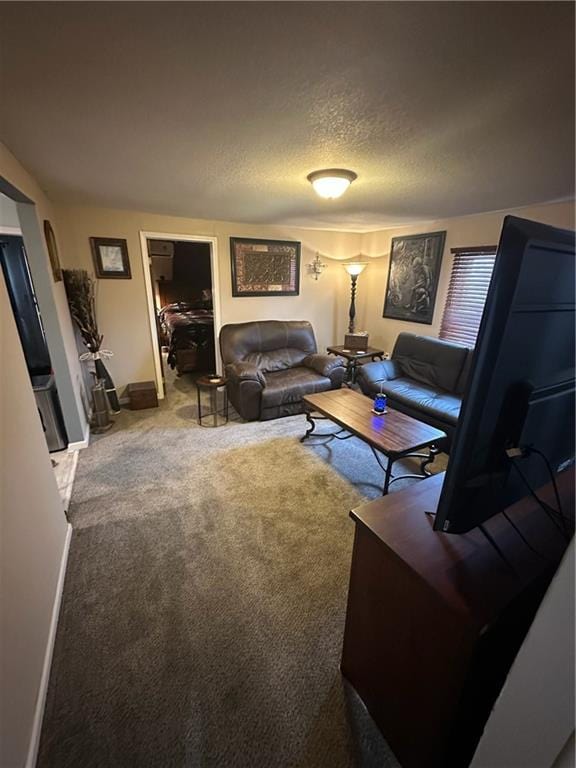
column 265, row 267
column 110, row 257
column 52, row 251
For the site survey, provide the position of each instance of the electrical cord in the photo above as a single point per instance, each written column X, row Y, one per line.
column 497, row 498
column 499, row 551
column 553, row 478
column 524, row 539
column 552, row 513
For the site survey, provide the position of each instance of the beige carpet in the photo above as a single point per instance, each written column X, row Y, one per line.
column 205, row 598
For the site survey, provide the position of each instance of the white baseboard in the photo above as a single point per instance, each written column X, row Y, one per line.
column 79, row 444
column 43, row 689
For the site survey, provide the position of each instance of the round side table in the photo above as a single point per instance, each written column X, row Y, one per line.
column 212, row 384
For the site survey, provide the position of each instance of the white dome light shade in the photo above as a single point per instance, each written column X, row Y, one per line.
column 331, row 183
column 355, row 267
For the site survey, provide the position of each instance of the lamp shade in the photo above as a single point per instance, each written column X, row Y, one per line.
column 355, row 267
column 331, row 183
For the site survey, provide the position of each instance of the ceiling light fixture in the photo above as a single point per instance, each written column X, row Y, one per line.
column 331, row 183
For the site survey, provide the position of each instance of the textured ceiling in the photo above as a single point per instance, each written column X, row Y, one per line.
column 220, row 110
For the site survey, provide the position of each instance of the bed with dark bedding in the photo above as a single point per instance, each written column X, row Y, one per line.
column 188, row 332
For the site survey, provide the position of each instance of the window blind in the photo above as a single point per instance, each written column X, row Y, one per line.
column 467, row 291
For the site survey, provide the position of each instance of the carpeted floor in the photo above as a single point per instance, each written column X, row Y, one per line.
column 205, row 598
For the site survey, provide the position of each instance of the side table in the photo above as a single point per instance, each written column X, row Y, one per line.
column 354, row 356
column 212, row 384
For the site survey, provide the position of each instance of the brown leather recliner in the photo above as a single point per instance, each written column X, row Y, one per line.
column 271, row 364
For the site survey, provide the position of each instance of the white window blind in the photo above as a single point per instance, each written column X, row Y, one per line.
column 469, row 283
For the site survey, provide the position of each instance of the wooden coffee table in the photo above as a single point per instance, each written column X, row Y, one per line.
column 392, row 434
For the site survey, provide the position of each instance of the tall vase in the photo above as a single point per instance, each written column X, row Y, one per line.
column 101, row 421
column 102, row 373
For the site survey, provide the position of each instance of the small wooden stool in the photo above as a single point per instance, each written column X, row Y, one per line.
column 142, row 394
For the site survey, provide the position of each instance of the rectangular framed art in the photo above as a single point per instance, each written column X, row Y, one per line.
column 413, row 275
column 110, row 258
column 265, row 267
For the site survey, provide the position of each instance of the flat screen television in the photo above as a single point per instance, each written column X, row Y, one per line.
column 519, row 402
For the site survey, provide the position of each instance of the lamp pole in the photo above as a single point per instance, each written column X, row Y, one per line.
column 354, row 268
column 352, row 310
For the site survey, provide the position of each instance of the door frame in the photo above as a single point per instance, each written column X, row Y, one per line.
column 52, row 304
column 215, row 275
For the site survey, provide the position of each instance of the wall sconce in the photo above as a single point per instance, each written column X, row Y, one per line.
column 354, row 268
column 315, row 267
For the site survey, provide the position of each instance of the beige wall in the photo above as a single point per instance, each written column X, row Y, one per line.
column 121, row 304
column 8, row 213
column 32, row 543
column 122, row 307
column 482, row 229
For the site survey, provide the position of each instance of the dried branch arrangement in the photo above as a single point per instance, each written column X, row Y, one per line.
column 81, row 300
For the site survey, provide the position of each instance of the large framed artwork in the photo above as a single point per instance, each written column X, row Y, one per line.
column 415, row 262
column 265, row 267
column 110, row 256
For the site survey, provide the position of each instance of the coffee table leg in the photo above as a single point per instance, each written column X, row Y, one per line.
column 387, row 469
column 311, row 426
column 433, row 452
column 387, row 476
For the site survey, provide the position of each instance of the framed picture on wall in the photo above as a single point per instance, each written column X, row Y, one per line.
column 413, row 275
column 52, row 251
column 110, row 258
column 265, row 267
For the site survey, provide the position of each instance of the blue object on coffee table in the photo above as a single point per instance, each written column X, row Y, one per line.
column 380, row 403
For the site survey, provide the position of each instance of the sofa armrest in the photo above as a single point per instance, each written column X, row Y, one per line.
column 323, row 364
column 238, row 372
column 245, row 385
column 370, row 375
column 386, row 370
column 333, row 368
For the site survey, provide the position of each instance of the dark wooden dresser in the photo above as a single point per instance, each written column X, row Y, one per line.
column 434, row 620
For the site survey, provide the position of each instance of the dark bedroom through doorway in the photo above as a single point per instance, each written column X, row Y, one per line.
column 181, row 278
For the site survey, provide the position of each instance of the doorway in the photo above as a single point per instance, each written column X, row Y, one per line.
column 14, row 265
column 20, row 217
column 181, row 275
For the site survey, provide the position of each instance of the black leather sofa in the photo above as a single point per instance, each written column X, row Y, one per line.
column 425, row 378
column 271, row 364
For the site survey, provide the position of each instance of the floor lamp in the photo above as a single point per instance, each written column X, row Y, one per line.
column 354, row 268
